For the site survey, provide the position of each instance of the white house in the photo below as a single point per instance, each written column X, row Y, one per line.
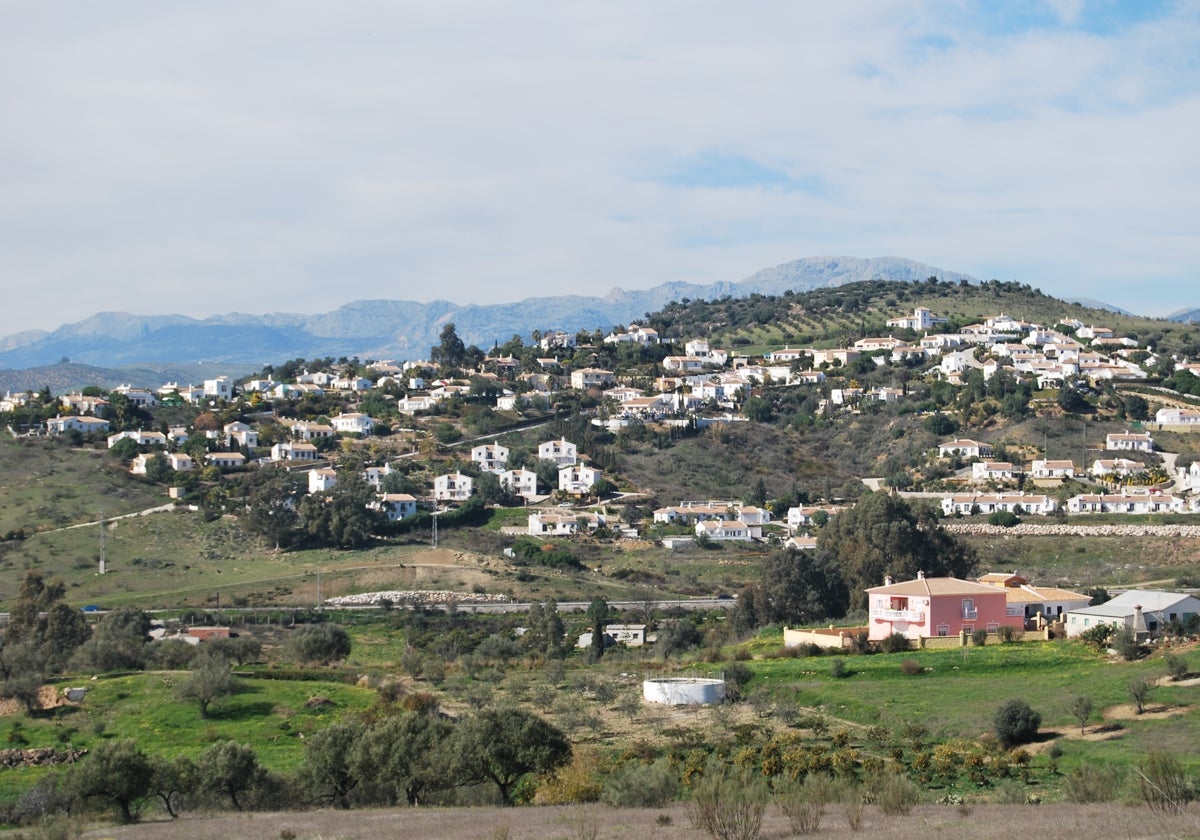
column 577, row 479
column 243, row 433
column 1178, row 416
column 321, row 480
column 921, row 319
column 85, row 425
column 491, row 457
column 453, row 487
column 634, row 335
column 1133, row 503
column 375, row 475
column 1129, row 441
column 220, row 388
column 555, row 524
column 521, row 483
column 562, row 452
column 965, row 448
column 225, row 460
column 177, row 461
column 993, row 471
column 293, row 450
column 987, row 503
column 1052, row 469
column 592, row 378
column 1143, row 610
column 724, row 530
column 1116, row 466
column 396, row 505
column 353, row 423
column 141, row 438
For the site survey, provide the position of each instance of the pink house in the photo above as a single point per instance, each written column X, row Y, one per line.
column 937, row 607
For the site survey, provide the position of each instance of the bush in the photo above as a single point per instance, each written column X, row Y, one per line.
column 1177, row 667
column 979, row 637
column 1163, row 785
column 1016, row 723
column 1139, row 691
column 897, row 795
column 728, row 805
column 911, row 667
column 638, row 785
column 1090, row 783
column 1003, row 518
column 1007, row 634
column 895, row 643
column 319, row 643
column 804, row 803
column 1124, row 641
column 838, row 669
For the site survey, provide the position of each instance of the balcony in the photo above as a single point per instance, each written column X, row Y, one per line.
column 970, row 615
column 911, row 616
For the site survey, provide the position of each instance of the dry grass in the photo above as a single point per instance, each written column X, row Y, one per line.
column 982, row 822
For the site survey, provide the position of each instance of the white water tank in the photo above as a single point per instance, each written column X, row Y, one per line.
column 684, row 691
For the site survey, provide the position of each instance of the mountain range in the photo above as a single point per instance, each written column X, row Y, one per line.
column 393, row 329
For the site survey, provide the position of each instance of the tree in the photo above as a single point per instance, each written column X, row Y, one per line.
column 800, row 587
column 883, row 534
column 230, row 769
column 118, row 772
column 677, row 636
column 449, row 352
column 1081, row 710
column 1015, row 723
column 404, row 758
column 317, row 643
column 118, row 642
column 1139, row 692
column 329, row 762
column 597, row 612
column 272, row 502
column 210, row 680
column 505, row 744
column 22, row 667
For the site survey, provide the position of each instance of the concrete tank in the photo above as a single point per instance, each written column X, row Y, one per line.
column 684, row 691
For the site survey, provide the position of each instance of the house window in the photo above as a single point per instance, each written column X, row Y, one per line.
column 993, row 627
column 943, row 629
column 968, row 629
column 968, row 608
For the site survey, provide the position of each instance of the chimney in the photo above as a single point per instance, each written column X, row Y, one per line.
column 887, row 580
column 921, row 575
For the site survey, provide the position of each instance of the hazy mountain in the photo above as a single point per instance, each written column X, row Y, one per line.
column 1092, row 303
column 1185, row 316
column 390, row 329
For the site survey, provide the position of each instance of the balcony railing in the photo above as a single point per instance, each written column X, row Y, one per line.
column 914, row 616
column 970, row 614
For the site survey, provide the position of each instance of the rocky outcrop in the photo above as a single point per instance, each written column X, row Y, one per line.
column 415, row 597
column 40, row 757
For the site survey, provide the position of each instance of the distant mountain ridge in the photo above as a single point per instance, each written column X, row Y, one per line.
column 391, row 329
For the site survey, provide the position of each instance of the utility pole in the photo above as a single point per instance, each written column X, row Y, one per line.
column 320, row 608
column 103, row 565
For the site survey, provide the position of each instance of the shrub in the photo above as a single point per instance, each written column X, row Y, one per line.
column 1163, row 785
column 1139, row 691
column 321, row 643
column 728, row 805
column 1015, row 723
column 638, row 785
column 979, row 637
column 1003, row 518
column 1090, row 783
column 896, row 795
column 838, row 669
column 1125, row 642
column 911, row 667
column 1007, row 634
column 803, row 804
column 1176, row 665
column 895, row 643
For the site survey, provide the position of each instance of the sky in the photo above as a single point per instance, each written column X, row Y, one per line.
column 169, row 157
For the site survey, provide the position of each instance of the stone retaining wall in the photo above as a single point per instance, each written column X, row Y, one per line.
column 1030, row 529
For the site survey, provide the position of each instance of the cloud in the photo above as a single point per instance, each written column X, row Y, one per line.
column 201, row 158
